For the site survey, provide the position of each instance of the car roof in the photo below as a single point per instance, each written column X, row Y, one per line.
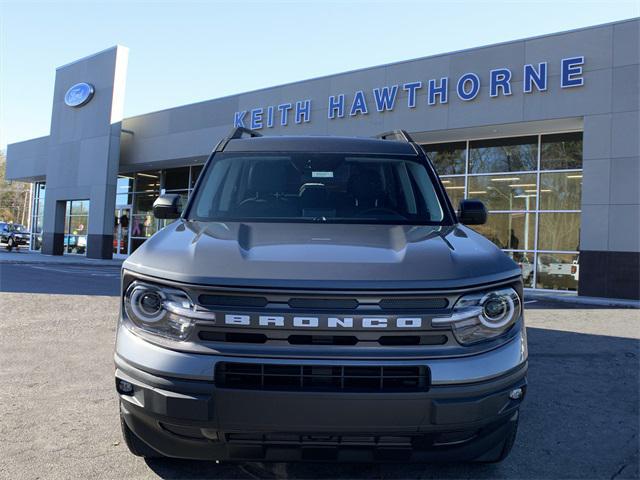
column 320, row 144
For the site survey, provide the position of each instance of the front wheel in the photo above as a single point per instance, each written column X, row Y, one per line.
column 10, row 244
column 134, row 444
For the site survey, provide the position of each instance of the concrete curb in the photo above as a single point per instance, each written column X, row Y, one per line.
column 39, row 259
column 580, row 300
column 69, row 264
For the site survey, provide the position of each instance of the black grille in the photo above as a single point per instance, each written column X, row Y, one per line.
column 413, row 303
column 296, row 301
column 324, row 303
column 232, row 301
column 232, row 337
column 260, row 376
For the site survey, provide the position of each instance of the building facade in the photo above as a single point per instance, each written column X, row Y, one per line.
column 543, row 130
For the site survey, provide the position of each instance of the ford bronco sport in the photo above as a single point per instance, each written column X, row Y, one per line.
column 320, row 299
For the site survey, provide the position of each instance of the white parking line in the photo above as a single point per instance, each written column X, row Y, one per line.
column 81, row 270
column 530, row 301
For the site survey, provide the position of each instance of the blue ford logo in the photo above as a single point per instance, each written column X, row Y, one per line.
column 79, row 94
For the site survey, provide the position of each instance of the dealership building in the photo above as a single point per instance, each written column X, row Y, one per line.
column 543, row 130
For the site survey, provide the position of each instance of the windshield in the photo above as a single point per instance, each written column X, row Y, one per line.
column 19, row 228
column 311, row 187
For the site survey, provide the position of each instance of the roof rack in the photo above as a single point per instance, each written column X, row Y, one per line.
column 400, row 135
column 236, row 133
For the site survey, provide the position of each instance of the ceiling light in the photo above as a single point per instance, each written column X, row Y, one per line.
column 505, row 179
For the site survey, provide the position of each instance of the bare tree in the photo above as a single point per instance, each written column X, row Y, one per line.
column 14, row 197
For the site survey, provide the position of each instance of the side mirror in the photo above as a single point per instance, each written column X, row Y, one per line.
column 167, row 206
column 472, row 212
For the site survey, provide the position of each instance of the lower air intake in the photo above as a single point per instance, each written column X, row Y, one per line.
column 259, row 376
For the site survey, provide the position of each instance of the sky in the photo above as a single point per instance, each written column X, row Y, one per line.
column 183, row 52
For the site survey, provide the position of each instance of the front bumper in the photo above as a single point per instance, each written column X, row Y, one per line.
column 177, row 409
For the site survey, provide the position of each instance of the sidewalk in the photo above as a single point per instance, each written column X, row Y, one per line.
column 30, row 257
column 573, row 297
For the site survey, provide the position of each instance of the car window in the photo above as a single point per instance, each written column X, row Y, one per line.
column 311, row 187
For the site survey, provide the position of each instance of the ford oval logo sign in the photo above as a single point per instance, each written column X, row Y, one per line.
column 79, row 94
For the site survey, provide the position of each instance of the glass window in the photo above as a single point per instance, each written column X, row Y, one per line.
column 37, row 224
column 560, row 191
column 447, row 158
column 147, row 181
column 144, row 203
column 505, row 192
column 143, row 225
column 558, row 271
column 560, row 151
column 75, row 244
column 36, row 242
column 37, row 215
column 526, row 264
column 75, row 226
column 196, row 170
column 79, row 207
column 455, row 189
column 318, row 187
column 125, row 184
column 176, row 178
column 503, row 155
column 123, row 190
column 559, row 231
column 512, row 231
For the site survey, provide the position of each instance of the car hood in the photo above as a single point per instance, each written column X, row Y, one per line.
column 316, row 255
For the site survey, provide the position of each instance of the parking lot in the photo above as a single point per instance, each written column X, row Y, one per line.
column 58, row 408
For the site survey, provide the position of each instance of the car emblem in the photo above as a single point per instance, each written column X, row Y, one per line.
column 79, row 94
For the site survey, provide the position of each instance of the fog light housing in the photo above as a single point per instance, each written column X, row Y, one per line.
column 123, row 387
column 210, row 434
column 516, row 394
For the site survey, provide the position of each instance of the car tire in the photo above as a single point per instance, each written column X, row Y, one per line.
column 502, row 451
column 10, row 244
column 136, row 446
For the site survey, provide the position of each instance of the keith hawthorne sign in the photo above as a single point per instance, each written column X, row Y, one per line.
column 433, row 92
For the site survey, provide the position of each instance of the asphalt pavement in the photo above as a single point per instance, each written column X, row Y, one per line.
column 59, row 414
column 60, row 278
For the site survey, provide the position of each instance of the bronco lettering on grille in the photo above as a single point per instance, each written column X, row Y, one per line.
column 281, row 321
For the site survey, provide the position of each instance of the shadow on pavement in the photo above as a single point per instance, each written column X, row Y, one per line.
column 580, row 420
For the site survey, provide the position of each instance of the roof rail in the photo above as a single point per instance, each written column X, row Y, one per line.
column 400, row 135
column 235, row 134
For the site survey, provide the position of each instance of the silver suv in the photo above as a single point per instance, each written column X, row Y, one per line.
column 320, row 299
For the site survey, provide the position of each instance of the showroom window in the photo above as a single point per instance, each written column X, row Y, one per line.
column 76, row 223
column 140, row 190
column 532, row 188
column 37, row 215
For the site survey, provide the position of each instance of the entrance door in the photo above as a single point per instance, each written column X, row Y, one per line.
column 121, row 231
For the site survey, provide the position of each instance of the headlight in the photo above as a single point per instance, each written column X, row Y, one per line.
column 482, row 316
column 162, row 311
